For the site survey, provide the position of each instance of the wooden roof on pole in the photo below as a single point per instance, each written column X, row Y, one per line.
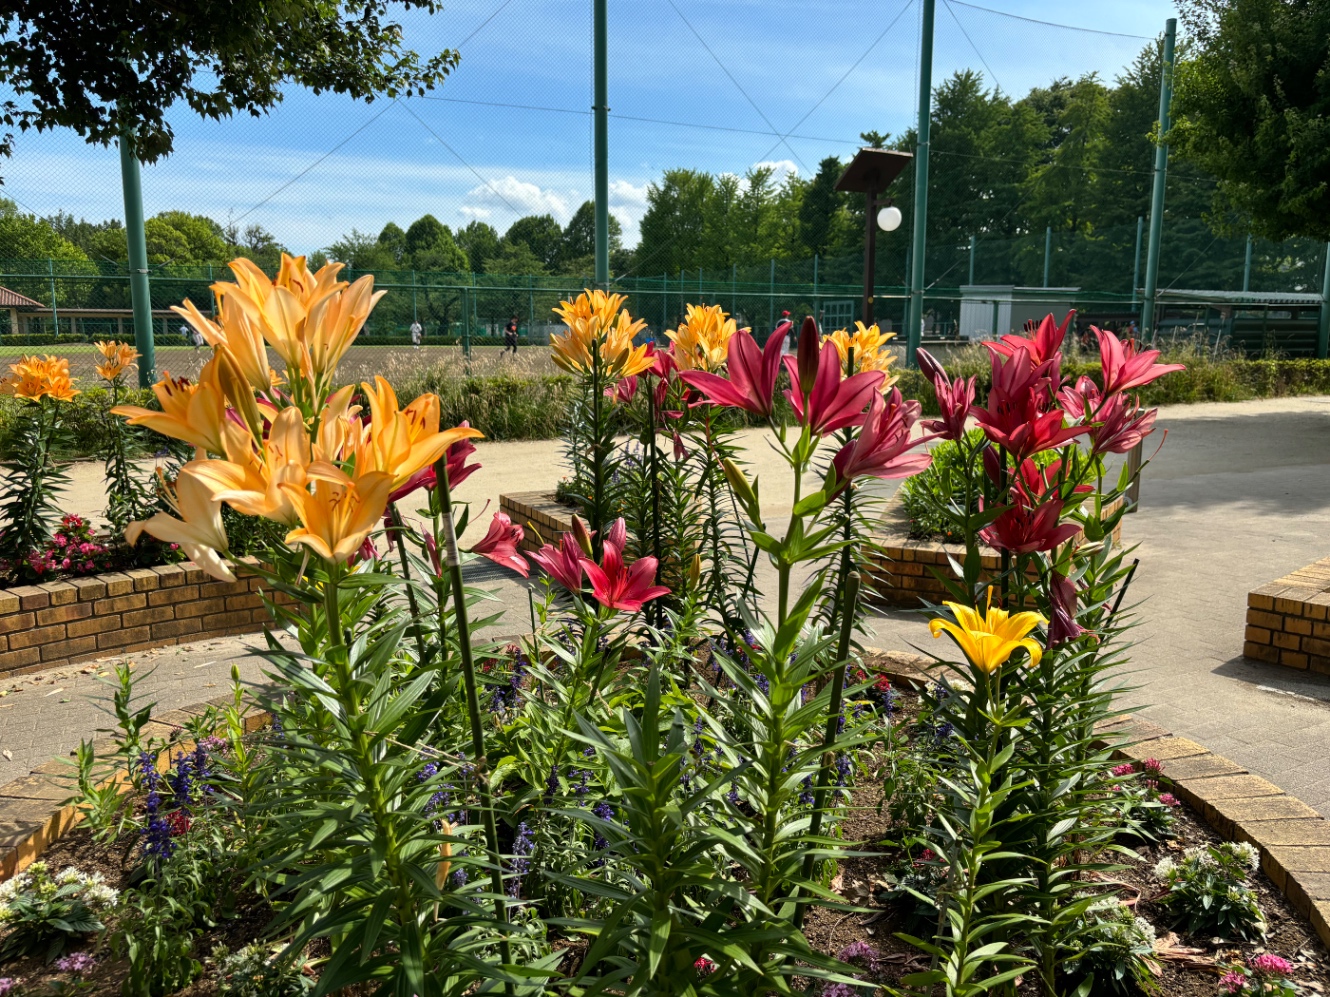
column 12, row 299
column 873, row 169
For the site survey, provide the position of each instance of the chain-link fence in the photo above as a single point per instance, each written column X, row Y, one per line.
column 471, row 205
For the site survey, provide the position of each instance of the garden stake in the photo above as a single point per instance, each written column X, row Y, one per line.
column 657, row 610
column 472, row 703
column 397, row 529
column 1131, row 572
column 833, row 728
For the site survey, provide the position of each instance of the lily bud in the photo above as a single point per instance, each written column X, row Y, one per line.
column 581, row 535
column 695, row 572
column 237, row 391
column 810, row 347
column 928, row 364
column 743, row 491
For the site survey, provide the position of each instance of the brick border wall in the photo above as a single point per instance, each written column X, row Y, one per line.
column 899, row 570
column 1293, row 839
column 538, row 509
column 1288, row 621
column 61, row 622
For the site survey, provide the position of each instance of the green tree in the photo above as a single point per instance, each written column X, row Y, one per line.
column 102, row 67
column 480, row 242
column 823, row 210
column 424, row 233
column 541, row 234
column 362, row 251
column 1253, row 109
column 393, row 240
column 579, row 238
column 205, row 239
column 672, row 227
column 25, row 237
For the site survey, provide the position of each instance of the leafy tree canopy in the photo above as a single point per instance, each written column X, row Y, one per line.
column 105, row 67
column 1253, row 109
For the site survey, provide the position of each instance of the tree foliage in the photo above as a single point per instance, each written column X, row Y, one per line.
column 1254, row 110
column 105, row 68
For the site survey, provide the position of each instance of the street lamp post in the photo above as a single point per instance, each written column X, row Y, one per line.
column 869, row 173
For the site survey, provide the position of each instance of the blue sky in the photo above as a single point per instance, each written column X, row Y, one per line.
column 817, row 71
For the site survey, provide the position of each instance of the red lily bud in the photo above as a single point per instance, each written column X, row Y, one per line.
column 581, row 535
column 810, row 346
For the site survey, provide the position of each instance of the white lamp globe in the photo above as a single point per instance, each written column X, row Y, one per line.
column 889, row 218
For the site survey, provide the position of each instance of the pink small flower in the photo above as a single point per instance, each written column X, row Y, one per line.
column 1168, row 800
column 1153, row 766
column 1269, row 964
column 703, row 966
column 1126, row 768
column 59, row 540
column 1233, row 982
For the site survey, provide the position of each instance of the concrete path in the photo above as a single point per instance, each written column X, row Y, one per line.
column 1239, row 496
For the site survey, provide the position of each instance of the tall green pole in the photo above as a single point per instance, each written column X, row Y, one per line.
column 971, row 260
column 1048, row 251
column 602, row 111
column 132, row 183
column 1246, row 269
column 1323, row 329
column 915, row 313
column 1136, row 267
column 1161, row 176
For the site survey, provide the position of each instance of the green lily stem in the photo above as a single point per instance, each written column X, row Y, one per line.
column 598, row 455
column 398, row 529
column 657, row 610
column 369, row 770
column 454, row 566
column 849, row 602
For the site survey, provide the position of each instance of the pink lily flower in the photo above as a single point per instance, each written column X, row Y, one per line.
column 881, row 448
column 832, row 403
column 623, row 392
column 1122, row 425
column 1124, row 368
column 458, row 469
column 499, row 544
column 751, row 385
column 562, row 563
column 1081, row 401
column 1062, row 625
column 1028, row 525
column 616, row 586
column 1045, row 345
column 1014, row 417
column 954, row 398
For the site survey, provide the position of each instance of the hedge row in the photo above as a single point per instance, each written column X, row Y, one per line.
column 506, row 407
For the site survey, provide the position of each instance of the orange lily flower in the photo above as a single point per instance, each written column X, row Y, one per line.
column 596, row 317
column 870, row 352
column 251, row 482
column 198, row 531
column 702, row 341
column 340, row 512
column 402, row 442
column 35, row 378
column 190, row 412
column 237, row 335
column 116, row 358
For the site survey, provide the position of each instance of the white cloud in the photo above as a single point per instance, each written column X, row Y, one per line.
column 779, row 165
column 625, row 194
column 527, row 198
column 475, row 212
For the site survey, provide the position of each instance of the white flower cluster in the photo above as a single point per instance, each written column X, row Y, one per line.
column 37, row 883
column 1118, row 926
column 1205, row 857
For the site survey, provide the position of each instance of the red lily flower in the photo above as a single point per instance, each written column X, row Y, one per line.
column 458, row 469
column 1083, row 400
column 562, row 563
column 500, row 544
column 831, row 403
column 1124, row 368
column 1045, row 345
column 622, row 393
column 751, row 385
column 1062, row 625
column 616, row 586
column 1038, row 482
column 1014, row 417
column 954, row 398
column 881, row 448
column 1028, row 525
column 1121, row 426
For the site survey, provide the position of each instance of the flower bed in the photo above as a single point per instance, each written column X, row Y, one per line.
column 1178, row 961
column 120, row 612
column 1288, row 621
column 900, row 571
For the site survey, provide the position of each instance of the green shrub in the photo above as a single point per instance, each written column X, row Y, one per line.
column 251, row 973
column 43, row 913
column 1114, row 948
column 1208, row 891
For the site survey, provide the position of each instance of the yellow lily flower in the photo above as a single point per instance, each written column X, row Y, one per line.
column 596, row 316
column 870, row 351
column 335, row 320
column 340, row 512
column 190, row 412
column 595, row 304
column 989, row 639
column 116, row 358
column 702, row 341
column 402, row 442
column 198, row 531
column 35, row 378
column 251, row 482
column 237, row 335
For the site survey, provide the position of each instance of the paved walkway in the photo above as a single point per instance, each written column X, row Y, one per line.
column 1239, row 496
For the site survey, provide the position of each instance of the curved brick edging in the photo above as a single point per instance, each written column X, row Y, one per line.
column 900, row 570
column 34, row 809
column 540, row 510
column 1288, row 621
column 1294, row 840
column 58, row 623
